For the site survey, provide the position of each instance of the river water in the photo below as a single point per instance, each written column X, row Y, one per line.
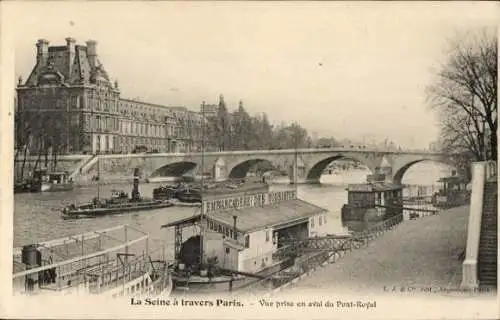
column 36, row 215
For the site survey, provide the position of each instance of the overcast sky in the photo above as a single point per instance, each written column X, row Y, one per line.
column 343, row 69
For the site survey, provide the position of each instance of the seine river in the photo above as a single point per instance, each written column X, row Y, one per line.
column 36, row 215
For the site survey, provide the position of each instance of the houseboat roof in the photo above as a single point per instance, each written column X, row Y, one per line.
column 287, row 213
column 373, row 187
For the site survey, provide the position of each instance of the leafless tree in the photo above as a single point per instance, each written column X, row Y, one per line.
column 465, row 95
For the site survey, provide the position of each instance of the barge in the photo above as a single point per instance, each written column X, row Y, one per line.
column 191, row 194
column 118, row 203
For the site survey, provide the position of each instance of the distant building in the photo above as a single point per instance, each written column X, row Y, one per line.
column 68, row 104
column 433, row 146
column 209, row 110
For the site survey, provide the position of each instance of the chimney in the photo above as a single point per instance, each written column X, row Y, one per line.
column 70, row 44
column 42, row 52
column 235, row 232
column 92, row 52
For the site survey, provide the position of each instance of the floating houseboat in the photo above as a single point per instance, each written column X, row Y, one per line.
column 46, row 181
column 113, row 262
column 453, row 193
column 240, row 237
column 55, row 181
column 375, row 200
column 117, row 204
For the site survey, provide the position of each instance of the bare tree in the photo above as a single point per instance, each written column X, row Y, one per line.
column 465, row 96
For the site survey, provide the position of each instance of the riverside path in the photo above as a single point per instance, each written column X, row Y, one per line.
column 419, row 256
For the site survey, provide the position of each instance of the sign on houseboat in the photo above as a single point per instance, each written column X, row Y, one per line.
column 249, row 201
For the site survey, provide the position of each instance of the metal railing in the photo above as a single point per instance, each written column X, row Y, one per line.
column 313, row 256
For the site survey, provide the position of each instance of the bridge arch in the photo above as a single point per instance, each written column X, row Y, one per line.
column 398, row 173
column 315, row 172
column 176, row 169
column 240, row 170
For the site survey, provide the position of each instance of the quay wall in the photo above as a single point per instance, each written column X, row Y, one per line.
column 64, row 163
column 111, row 170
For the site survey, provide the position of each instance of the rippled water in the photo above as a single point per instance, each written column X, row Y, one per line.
column 36, row 215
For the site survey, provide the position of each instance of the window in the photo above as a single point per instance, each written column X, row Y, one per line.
column 320, row 220
column 267, row 235
column 312, row 222
column 228, row 250
column 219, row 228
column 247, row 241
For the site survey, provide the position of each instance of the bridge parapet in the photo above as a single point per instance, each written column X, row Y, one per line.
column 302, row 165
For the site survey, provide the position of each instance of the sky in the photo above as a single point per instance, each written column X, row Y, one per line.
column 354, row 70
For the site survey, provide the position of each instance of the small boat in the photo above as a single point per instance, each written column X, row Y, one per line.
column 23, row 187
column 189, row 195
column 117, row 204
column 167, row 192
column 93, row 264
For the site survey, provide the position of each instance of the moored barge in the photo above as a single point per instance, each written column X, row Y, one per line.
column 192, row 193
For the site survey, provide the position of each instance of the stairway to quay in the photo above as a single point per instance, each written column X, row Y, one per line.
column 422, row 256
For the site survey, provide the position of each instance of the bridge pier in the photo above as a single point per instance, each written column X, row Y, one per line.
column 298, row 174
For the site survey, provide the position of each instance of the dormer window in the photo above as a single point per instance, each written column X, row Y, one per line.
column 50, row 78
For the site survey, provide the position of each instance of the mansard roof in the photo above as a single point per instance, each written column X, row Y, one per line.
column 85, row 69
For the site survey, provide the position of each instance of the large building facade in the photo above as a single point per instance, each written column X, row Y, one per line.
column 68, row 104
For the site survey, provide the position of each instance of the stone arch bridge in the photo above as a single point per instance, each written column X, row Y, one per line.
column 302, row 165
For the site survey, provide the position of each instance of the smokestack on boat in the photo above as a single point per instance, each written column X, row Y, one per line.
column 234, row 226
column 135, row 189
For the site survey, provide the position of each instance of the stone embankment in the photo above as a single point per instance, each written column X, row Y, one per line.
column 422, row 256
